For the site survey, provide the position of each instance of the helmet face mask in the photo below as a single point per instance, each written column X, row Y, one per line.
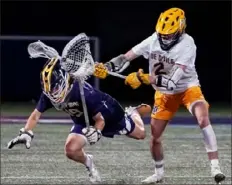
column 60, row 88
column 55, row 82
column 170, row 26
column 168, row 41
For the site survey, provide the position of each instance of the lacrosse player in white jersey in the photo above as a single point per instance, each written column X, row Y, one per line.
column 171, row 53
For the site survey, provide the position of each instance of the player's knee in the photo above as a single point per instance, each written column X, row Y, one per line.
column 138, row 133
column 155, row 140
column 74, row 145
column 200, row 111
column 141, row 135
column 72, row 151
column 203, row 121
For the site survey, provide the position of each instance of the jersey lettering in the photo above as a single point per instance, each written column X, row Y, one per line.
column 72, row 109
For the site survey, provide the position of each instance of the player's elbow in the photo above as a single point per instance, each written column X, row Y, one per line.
column 130, row 55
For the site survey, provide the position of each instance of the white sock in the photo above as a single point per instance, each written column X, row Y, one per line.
column 87, row 161
column 214, row 162
column 209, row 139
column 159, row 167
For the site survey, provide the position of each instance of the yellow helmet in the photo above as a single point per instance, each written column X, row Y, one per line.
column 170, row 25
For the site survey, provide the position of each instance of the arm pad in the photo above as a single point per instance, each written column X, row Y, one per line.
column 170, row 80
column 117, row 64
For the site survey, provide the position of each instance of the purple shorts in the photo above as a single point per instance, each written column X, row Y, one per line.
column 124, row 127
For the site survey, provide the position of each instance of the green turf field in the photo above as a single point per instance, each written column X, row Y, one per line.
column 120, row 161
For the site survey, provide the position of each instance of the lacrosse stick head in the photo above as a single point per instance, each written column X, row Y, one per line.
column 39, row 49
column 76, row 58
column 55, row 81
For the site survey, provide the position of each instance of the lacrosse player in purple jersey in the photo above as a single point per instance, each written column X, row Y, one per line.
column 107, row 117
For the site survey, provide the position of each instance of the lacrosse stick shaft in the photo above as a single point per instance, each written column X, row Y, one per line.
column 84, row 103
column 117, row 75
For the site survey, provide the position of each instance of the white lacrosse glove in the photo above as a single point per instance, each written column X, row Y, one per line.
column 92, row 134
column 163, row 81
column 117, row 64
column 24, row 137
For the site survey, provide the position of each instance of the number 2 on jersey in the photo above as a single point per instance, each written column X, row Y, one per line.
column 158, row 67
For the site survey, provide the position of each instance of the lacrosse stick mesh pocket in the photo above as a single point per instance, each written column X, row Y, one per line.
column 77, row 59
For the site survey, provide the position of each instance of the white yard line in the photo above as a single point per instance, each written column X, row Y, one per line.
column 71, row 177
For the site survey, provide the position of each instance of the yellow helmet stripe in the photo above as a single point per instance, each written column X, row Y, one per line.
column 47, row 73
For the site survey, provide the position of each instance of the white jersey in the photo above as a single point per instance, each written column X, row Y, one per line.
column 184, row 53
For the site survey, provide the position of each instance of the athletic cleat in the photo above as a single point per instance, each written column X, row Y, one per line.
column 93, row 173
column 217, row 174
column 143, row 109
column 155, row 178
column 219, row 178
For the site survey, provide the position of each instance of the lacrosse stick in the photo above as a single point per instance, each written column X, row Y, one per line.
column 77, row 60
column 116, row 75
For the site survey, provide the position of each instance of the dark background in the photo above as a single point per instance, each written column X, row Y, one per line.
column 120, row 26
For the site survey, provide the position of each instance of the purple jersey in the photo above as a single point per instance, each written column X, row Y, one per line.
column 96, row 102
